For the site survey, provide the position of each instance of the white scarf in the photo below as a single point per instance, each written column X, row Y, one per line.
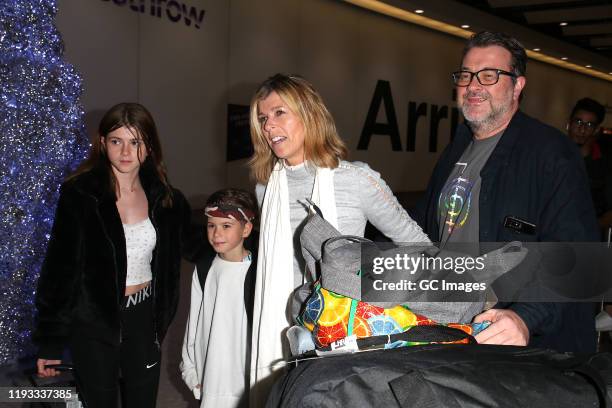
column 275, row 278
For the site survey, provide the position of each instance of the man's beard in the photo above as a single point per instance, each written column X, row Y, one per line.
column 493, row 119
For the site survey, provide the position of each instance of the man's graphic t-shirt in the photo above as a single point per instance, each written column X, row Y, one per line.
column 458, row 201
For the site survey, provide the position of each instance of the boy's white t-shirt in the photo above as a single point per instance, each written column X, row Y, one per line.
column 220, row 334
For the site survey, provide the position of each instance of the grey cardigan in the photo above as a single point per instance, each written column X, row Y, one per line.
column 361, row 196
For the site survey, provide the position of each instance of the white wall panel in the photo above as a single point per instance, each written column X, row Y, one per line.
column 187, row 76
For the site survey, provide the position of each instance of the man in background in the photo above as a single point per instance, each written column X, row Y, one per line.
column 583, row 128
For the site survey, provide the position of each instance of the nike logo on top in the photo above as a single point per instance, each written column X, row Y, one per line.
column 151, row 365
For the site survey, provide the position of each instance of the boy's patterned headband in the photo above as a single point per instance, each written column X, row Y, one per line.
column 230, row 211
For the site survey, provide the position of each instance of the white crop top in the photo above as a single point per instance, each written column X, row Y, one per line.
column 139, row 244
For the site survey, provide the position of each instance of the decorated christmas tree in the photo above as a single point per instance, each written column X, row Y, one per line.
column 42, row 138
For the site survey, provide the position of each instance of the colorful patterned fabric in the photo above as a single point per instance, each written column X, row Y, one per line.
column 331, row 317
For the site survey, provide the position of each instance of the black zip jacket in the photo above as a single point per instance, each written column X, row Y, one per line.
column 536, row 174
column 82, row 281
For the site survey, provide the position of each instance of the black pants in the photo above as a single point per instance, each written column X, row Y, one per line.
column 101, row 368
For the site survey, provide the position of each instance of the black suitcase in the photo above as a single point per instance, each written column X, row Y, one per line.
column 448, row 376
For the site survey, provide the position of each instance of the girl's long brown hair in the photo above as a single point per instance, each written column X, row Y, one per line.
column 136, row 118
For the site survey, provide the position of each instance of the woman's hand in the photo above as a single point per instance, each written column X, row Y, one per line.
column 47, row 372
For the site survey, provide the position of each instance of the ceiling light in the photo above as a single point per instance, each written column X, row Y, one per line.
column 536, row 49
column 589, row 66
column 419, row 11
column 564, row 58
column 409, row 16
column 563, row 24
column 465, row 26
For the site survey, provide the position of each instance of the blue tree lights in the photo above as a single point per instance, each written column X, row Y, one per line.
column 42, row 138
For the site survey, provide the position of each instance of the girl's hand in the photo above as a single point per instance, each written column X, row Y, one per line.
column 47, row 372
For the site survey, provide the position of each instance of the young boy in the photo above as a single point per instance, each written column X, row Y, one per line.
column 218, row 334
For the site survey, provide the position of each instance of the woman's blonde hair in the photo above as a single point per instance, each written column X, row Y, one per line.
column 322, row 145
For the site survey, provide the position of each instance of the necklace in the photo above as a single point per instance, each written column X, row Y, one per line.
column 130, row 190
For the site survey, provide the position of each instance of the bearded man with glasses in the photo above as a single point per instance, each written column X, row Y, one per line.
column 506, row 176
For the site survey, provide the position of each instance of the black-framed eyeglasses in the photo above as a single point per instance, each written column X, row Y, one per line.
column 581, row 123
column 487, row 76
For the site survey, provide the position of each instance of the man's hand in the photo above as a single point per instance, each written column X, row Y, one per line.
column 506, row 328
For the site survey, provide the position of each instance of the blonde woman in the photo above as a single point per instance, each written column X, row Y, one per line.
column 298, row 156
